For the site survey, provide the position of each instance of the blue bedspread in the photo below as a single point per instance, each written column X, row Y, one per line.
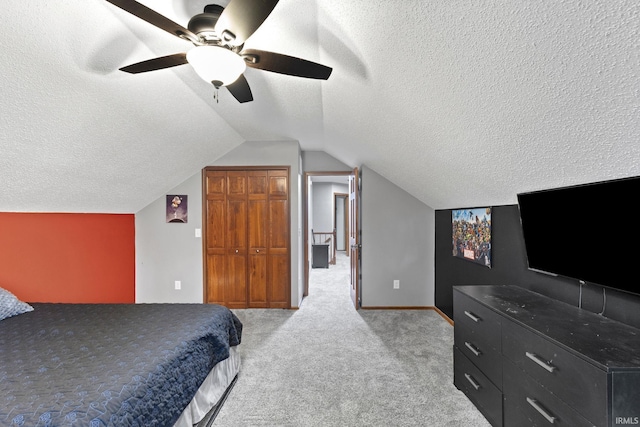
column 109, row 364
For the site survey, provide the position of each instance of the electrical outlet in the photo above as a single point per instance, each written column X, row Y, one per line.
column 396, row 284
column 178, row 285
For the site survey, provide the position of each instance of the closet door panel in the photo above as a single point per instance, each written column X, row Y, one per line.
column 279, row 288
column 215, row 238
column 215, row 184
column 257, row 183
column 258, row 225
column 279, row 226
column 236, row 289
column 258, row 281
column 279, row 272
column 278, row 184
column 236, row 225
column 216, row 215
column 258, row 254
column 216, row 279
column 236, row 244
column 236, row 183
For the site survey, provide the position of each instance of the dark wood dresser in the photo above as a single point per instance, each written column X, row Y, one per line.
column 528, row 360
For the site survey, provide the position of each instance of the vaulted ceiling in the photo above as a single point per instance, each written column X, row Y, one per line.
column 461, row 103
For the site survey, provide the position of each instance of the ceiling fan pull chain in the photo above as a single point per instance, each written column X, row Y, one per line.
column 215, row 95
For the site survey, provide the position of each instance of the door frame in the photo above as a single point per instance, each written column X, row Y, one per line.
column 355, row 246
column 307, row 180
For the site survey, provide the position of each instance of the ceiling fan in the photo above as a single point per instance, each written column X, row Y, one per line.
column 219, row 35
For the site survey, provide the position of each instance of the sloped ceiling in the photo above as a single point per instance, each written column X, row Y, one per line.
column 461, row 103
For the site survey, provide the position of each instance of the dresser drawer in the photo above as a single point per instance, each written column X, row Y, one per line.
column 487, row 359
column 578, row 383
column 527, row 403
column 472, row 382
column 481, row 324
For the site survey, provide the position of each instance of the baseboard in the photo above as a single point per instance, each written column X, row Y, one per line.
column 436, row 309
column 444, row 316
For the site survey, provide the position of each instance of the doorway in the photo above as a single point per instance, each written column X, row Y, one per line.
column 330, row 212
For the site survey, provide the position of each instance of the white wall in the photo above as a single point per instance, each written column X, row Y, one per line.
column 398, row 242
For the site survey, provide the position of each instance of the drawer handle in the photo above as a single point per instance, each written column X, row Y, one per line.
column 541, row 410
column 472, row 348
column 472, row 316
column 472, row 381
column 540, row 362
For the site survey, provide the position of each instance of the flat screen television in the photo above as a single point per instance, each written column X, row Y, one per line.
column 588, row 232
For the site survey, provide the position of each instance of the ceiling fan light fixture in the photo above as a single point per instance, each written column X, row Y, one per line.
column 216, row 64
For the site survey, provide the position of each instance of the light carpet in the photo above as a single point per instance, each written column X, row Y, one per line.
column 327, row 364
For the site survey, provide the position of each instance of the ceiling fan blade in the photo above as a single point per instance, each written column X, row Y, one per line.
column 285, row 64
column 156, row 63
column 154, row 18
column 240, row 90
column 241, row 18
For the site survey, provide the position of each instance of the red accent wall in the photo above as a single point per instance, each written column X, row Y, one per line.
column 68, row 257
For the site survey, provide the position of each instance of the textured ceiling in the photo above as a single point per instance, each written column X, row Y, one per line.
column 461, row 103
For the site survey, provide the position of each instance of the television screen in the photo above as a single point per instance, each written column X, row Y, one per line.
column 587, row 232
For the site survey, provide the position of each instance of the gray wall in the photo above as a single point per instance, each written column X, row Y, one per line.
column 398, row 238
column 398, row 235
column 169, row 252
column 322, row 206
column 319, row 161
column 341, row 228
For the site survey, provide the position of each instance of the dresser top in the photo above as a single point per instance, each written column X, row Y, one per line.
column 609, row 344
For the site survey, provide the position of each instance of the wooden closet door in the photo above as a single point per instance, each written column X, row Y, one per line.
column 237, row 251
column 258, row 225
column 278, row 279
column 247, row 238
column 215, row 188
column 226, row 238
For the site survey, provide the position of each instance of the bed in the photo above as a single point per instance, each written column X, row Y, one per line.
column 116, row 364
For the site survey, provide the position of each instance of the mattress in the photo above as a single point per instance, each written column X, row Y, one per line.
column 208, row 400
column 109, row 364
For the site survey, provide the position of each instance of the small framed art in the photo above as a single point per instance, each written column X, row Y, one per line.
column 177, row 208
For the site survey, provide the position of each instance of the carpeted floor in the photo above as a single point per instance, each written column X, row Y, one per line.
column 327, row 364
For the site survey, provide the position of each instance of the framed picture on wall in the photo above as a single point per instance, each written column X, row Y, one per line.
column 471, row 234
column 177, row 208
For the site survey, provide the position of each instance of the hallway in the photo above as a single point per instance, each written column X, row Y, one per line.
column 333, row 282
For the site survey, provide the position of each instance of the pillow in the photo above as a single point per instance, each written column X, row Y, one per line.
column 11, row 306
